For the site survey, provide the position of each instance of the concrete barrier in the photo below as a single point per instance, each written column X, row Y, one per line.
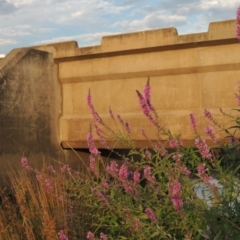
column 45, row 105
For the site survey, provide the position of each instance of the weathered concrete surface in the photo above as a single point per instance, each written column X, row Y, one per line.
column 188, row 74
column 30, row 105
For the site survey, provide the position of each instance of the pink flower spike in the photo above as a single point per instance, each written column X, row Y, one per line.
column 203, row 148
column 193, row 121
column 123, row 173
column 175, row 143
column 148, row 175
column 62, row 236
column 91, row 145
column 175, row 194
column 143, row 104
column 147, row 91
column 202, row 173
column 211, row 133
column 103, row 236
column 111, row 113
column 48, row 185
column 51, row 169
column 25, row 163
column 120, row 119
column 136, row 177
column 65, row 168
column 238, row 24
column 113, row 169
column 90, row 236
column 151, row 215
column 127, row 127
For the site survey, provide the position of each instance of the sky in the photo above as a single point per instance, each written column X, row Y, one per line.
column 33, row 22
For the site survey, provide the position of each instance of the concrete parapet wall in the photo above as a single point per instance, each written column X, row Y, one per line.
column 188, row 74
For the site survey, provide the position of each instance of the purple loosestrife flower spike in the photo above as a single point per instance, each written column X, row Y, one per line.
column 111, row 113
column 211, row 133
column 25, row 164
column 112, row 169
column 143, row 104
column 103, row 236
column 202, row 173
column 123, row 173
column 238, row 24
column 90, row 236
column 203, row 148
column 151, row 215
column 127, row 127
column 209, row 116
column 193, row 121
column 148, row 175
column 136, row 177
column 175, row 143
column 147, row 91
column 93, row 150
column 120, row 119
column 48, row 185
column 175, row 193
column 95, row 115
column 62, row 236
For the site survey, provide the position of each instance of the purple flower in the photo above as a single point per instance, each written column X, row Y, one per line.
column 151, row 215
column 95, row 115
column 113, row 169
column 123, row 173
column 120, row 119
column 209, row 116
column 127, row 127
column 91, row 145
column 193, row 121
column 103, row 236
column 238, row 24
column 148, row 175
column 65, row 168
column 90, row 236
column 147, row 91
column 92, row 165
column 175, row 194
column 111, row 113
column 136, row 177
column 51, row 169
column 25, row 163
column 202, row 173
column 203, row 148
column 48, row 185
column 211, row 133
column 175, row 143
column 62, row 236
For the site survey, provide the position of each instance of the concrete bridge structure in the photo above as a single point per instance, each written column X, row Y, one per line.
column 43, row 106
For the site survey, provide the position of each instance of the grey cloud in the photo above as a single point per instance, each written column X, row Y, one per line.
column 6, row 8
column 130, row 2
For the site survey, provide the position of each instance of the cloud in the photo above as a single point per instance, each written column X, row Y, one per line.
column 6, row 7
column 89, row 39
column 7, row 42
column 2, row 55
column 18, row 3
column 154, row 20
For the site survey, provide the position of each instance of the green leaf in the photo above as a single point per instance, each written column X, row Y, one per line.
column 217, row 237
column 154, row 234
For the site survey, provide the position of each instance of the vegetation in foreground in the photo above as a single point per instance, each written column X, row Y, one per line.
column 188, row 193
